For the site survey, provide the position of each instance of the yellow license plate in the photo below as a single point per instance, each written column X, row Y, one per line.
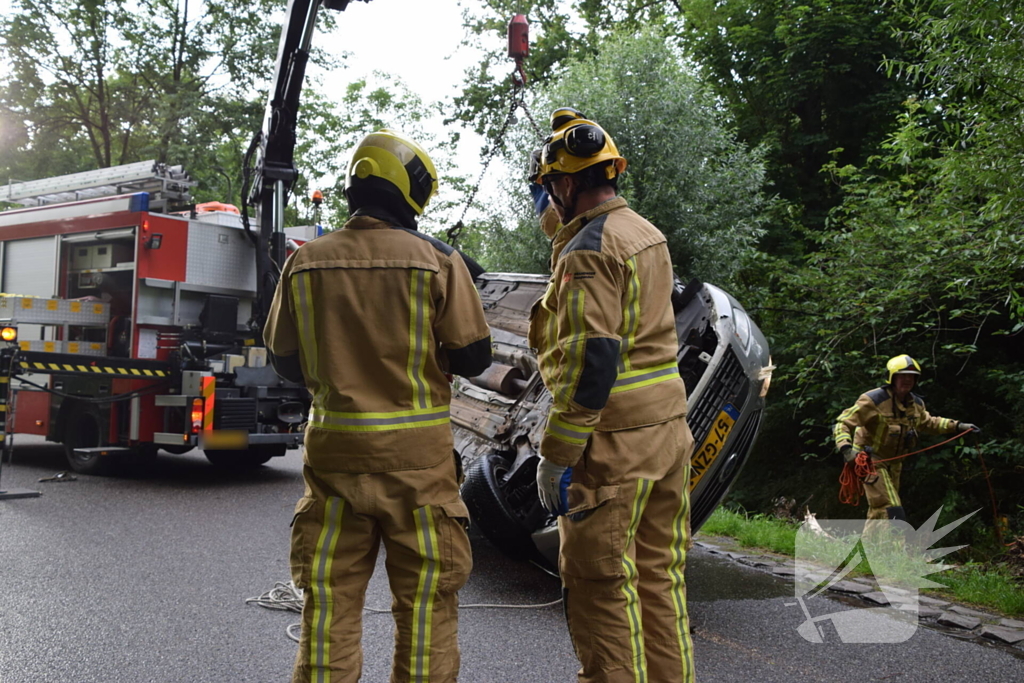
column 224, row 439
column 705, row 456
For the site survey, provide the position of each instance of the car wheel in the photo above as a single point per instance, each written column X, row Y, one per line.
column 83, row 429
column 505, row 509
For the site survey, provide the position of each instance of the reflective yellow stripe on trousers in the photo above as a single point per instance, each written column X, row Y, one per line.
column 321, row 594
column 426, row 589
column 636, row 633
column 676, row 575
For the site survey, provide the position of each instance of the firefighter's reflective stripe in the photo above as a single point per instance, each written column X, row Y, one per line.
column 946, row 424
column 575, row 346
column 635, row 379
column 564, row 431
column 890, row 490
column 303, row 305
column 423, row 606
column 842, row 437
column 321, row 594
column 548, row 362
column 636, row 635
column 419, row 334
column 676, row 571
column 630, row 315
column 378, row 422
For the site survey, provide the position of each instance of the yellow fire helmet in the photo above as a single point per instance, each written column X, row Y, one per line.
column 902, row 365
column 576, row 144
column 387, row 163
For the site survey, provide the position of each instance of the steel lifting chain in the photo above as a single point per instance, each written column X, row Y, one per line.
column 518, row 100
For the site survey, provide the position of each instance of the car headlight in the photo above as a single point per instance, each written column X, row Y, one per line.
column 742, row 322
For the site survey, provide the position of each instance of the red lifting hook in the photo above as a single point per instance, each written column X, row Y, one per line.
column 519, row 43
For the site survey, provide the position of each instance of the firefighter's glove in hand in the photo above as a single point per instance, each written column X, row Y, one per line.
column 849, row 455
column 975, row 429
column 553, row 486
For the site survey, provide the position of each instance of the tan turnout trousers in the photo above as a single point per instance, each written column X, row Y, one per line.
column 623, row 555
column 339, row 524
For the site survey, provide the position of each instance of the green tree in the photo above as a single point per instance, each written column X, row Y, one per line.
column 687, row 173
column 804, row 78
column 106, row 82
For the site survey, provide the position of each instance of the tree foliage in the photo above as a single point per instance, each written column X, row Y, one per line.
column 924, row 256
column 687, row 173
column 804, row 78
column 107, row 82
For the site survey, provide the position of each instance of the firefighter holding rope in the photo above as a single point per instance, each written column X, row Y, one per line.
column 885, row 423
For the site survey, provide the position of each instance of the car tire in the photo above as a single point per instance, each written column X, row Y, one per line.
column 486, row 494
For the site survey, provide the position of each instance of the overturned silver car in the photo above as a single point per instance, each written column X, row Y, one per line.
column 499, row 417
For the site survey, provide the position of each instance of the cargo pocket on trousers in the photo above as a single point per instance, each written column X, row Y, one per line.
column 303, row 538
column 592, row 533
column 457, row 557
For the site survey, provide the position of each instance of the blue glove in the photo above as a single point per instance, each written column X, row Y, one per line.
column 540, row 198
column 553, row 486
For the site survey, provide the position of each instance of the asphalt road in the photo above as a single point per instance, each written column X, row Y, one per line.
column 144, row 578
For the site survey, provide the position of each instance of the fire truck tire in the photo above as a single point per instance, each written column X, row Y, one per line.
column 176, row 450
column 83, row 428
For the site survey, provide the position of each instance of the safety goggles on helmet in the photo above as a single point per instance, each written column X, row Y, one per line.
column 576, row 145
column 902, row 365
column 389, row 163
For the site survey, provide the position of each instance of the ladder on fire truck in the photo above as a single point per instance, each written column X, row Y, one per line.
column 165, row 184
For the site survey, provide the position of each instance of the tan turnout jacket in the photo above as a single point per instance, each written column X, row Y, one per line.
column 890, row 429
column 605, row 330
column 378, row 314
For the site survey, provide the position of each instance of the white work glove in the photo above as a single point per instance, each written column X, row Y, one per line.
column 553, row 486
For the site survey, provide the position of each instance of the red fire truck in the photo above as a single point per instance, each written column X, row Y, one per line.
column 130, row 327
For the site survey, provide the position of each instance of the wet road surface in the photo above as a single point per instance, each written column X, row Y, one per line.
column 145, row 578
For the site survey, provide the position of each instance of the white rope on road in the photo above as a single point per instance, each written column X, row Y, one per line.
column 288, row 597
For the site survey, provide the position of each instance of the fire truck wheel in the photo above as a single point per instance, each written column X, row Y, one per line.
column 176, row 450
column 83, row 429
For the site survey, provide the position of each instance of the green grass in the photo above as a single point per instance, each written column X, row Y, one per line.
column 983, row 585
column 753, row 531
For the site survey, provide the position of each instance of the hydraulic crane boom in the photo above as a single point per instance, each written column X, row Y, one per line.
column 269, row 181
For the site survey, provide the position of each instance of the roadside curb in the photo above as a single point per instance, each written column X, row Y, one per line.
column 959, row 621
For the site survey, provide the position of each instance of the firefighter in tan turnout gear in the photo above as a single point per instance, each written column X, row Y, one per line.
column 885, row 422
column 616, row 450
column 371, row 317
